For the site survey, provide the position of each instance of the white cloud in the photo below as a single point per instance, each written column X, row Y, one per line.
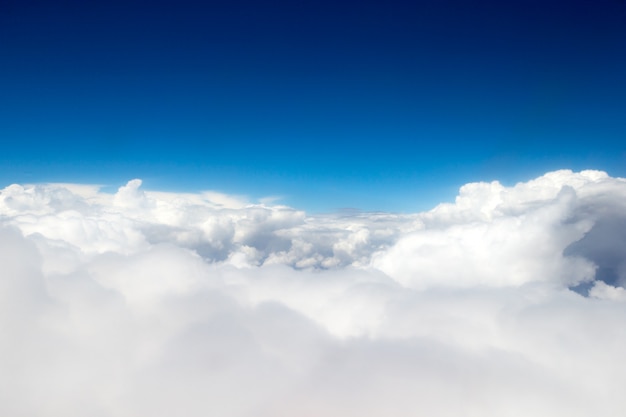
column 509, row 302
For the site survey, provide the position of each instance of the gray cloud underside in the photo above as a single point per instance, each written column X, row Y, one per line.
column 509, row 302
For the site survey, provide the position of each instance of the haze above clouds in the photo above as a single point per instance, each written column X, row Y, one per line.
column 509, row 302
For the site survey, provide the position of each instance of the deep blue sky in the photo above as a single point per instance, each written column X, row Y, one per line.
column 381, row 105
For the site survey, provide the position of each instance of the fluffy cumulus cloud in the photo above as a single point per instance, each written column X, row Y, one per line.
column 510, row 301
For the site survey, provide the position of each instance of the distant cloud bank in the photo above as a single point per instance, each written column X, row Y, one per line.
column 508, row 302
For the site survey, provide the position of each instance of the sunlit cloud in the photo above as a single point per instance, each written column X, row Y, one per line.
column 509, row 301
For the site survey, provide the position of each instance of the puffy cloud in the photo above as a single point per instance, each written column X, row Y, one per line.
column 509, row 301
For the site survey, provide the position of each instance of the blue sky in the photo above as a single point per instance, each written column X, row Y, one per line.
column 372, row 105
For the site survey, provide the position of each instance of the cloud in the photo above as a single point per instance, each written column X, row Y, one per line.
column 508, row 302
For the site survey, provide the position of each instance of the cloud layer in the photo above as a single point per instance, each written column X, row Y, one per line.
column 508, row 302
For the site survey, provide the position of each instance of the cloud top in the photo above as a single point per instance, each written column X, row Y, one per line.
column 507, row 302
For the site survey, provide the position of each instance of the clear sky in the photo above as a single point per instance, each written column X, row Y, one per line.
column 383, row 105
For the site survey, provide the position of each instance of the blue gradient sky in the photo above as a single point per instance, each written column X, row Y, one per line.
column 374, row 105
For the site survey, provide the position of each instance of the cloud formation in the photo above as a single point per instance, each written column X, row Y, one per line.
column 508, row 302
